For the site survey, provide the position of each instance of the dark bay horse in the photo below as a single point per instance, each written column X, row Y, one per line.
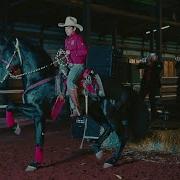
column 37, row 72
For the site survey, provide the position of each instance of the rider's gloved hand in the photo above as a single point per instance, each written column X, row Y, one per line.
column 61, row 96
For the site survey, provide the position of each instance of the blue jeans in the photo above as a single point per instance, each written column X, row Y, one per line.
column 73, row 76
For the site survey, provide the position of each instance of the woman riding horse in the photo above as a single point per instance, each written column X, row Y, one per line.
column 76, row 51
column 39, row 95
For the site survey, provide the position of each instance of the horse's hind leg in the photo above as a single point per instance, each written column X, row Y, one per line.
column 96, row 147
column 97, row 114
column 119, row 116
column 122, row 134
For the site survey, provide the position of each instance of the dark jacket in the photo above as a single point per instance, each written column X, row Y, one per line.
column 152, row 74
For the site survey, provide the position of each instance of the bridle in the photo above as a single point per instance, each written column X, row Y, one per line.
column 9, row 68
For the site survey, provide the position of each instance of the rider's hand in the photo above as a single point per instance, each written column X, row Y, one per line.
column 68, row 52
column 61, row 96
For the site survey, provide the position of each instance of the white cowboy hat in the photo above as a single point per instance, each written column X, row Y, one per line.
column 71, row 21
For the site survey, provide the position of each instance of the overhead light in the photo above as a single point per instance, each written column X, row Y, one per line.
column 165, row 27
column 148, row 32
column 154, row 30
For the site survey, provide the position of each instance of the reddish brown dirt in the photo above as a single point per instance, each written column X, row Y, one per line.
column 64, row 160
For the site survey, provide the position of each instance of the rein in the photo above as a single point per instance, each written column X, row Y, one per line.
column 35, row 70
column 17, row 50
column 8, row 64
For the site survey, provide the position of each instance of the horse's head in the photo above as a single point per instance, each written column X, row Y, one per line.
column 8, row 57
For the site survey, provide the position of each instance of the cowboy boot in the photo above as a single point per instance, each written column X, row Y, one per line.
column 74, row 97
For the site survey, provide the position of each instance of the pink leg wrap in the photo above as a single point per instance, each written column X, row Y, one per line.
column 10, row 119
column 38, row 154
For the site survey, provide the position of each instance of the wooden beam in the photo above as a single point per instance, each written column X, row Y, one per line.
column 104, row 9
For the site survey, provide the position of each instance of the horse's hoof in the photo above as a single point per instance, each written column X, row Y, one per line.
column 99, row 155
column 32, row 167
column 107, row 165
column 110, row 162
column 17, row 130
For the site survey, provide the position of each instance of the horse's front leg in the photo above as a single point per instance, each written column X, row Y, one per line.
column 39, row 123
column 10, row 120
column 25, row 109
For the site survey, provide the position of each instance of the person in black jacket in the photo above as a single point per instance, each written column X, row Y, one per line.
column 151, row 80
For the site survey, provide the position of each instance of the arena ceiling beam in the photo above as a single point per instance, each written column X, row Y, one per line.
column 104, row 9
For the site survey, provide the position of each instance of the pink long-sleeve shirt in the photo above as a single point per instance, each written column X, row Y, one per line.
column 78, row 50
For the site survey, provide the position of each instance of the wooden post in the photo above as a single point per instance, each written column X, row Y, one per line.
column 142, row 48
column 4, row 14
column 151, row 43
column 87, row 22
column 159, row 30
column 41, row 38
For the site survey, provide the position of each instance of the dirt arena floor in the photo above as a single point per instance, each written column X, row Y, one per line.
column 65, row 161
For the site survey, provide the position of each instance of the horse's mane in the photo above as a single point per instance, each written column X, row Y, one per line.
column 42, row 56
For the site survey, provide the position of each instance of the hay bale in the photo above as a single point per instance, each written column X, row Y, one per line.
column 167, row 141
column 160, row 141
